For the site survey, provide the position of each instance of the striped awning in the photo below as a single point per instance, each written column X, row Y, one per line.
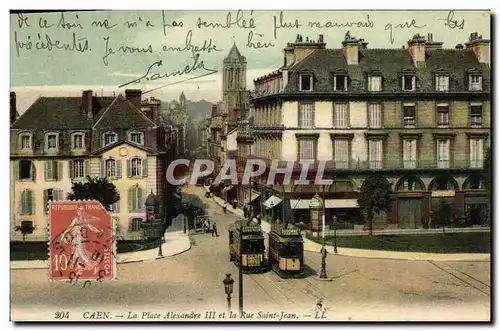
column 300, row 204
column 273, row 201
column 254, row 196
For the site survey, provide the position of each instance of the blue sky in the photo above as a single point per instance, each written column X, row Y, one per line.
column 61, row 72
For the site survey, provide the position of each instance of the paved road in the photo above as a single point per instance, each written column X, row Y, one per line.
column 362, row 289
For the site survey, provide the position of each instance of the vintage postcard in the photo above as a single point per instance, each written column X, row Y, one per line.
column 250, row 165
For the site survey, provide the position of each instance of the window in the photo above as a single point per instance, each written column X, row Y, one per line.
column 442, row 83
column 52, row 170
column 306, row 115
column 306, row 82
column 409, row 115
column 136, row 167
column 27, row 202
column 51, row 141
column 26, row 170
column 409, row 153
column 340, row 82
column 375, row 154
column 374, row 84
column 115, row 207
column 476, row 183
column 476, row 153
column 409, row 83
column 51, row 194
column 135, row 199
column 110, row 168
column 136, row 138
column 443, row 153
column 341, row 153
column 375, row 115
column 135, row 224
column 78, row 170
column 475, row 83
column 26, row 141
column 443, row 115
column 476, row 115
column 341, row 115
column 109, row 138
column 77, row 141
column 306, row 149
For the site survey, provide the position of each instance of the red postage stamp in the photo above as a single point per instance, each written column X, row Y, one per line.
column 81, row 241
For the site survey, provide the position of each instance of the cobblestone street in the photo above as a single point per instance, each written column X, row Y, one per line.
column 362, row 288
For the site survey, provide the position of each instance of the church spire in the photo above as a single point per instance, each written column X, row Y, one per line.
column 234, row 54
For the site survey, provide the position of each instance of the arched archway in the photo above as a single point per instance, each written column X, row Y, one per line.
column 474, row 182
column 307, row 188
column 409, row 183
column 342, row 184
column 443, row 183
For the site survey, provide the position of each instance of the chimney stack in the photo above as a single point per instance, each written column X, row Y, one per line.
column 480, row 47
column 134, row 96
column 13, row 107
column 430, row 44
column 351, row 49
column 416, row 46
column 87, row 103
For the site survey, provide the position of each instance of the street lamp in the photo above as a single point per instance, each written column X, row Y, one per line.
column 228, row 287
column 316, row 208
column 335, row 234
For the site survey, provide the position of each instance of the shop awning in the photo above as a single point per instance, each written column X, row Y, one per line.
column 254, row 196
column 227, row 188
column 300, row 204
column 330, row 203
column 341, row 203
column 273, row 201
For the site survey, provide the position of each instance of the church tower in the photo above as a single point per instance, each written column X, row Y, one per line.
column 182, row 101
column 234, row 80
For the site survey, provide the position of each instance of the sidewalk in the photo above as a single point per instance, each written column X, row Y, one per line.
column 312, row 246
column 176, row 242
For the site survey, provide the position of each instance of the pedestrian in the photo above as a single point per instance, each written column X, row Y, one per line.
column 224, row 207
column 214, row 230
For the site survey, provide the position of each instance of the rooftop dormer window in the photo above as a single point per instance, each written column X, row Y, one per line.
column 136, row 137
column 442, row 82
column 306, row 82
column 109, row 138
column 374, row 83
column 26, row 141
column 340, row 82
column 475, row 82
column 409, row 82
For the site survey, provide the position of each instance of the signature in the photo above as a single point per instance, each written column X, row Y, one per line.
column 451, row 22
column 151, row 75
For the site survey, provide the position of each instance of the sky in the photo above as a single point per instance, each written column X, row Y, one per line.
column 46, row 62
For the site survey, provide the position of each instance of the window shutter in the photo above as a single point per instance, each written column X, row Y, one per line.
column 436, row 79
column 130, row 222
column 119, row 168
column 402, row 82
column 129, row 168
column 345, row 82
column 70, row 169
column 103, row 168
column 23, row 202
column 87, row 167
column 55, row 169
column 45, row 201
column 59, row 170
column 414, row 83
column 33, row 171
column 130, row 199
column 15, row 165
column 139, row 199
column 32, row 201
column 117, row 207
column 46, row 170
column 145, row 167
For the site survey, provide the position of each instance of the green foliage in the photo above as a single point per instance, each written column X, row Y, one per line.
column 25, row 228
column 374, row 198
column 99, row 189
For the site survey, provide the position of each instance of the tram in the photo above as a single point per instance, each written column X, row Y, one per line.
column 286, row 251
column 246, row 247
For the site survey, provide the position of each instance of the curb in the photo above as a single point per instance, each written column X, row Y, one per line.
column 121, row 262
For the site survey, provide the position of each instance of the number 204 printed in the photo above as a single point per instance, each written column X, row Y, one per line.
column 61, row 315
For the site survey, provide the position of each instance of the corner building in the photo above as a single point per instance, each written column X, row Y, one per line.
column 419, row 116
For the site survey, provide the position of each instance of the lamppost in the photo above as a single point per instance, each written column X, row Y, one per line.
column 335, row 234
column 228, row 287
column 316, row 207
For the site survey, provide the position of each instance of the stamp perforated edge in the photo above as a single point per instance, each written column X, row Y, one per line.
column 114, row 226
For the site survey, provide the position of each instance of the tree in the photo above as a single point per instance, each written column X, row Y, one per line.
column 374, row 198
column 99, row 189
column 25, row 228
